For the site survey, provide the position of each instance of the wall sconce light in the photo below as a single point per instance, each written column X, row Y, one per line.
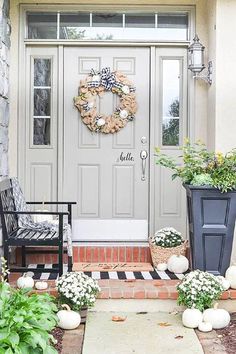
column 196, row 61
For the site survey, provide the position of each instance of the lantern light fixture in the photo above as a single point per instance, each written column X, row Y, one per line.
column 196, row 61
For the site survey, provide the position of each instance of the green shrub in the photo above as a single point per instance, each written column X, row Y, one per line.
column 25, row 321
column 201, row 167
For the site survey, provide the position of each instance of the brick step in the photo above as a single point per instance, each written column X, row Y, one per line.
column 91, row 254
column 132, row 289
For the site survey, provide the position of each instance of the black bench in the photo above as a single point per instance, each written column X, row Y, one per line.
column 13, row 235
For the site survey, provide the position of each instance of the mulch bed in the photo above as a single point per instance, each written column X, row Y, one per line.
column 58, row 335
column 228, row 335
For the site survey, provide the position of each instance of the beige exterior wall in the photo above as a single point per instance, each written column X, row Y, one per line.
column 200, row 112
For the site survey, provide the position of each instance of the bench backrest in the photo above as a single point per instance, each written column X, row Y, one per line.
column 9, row 222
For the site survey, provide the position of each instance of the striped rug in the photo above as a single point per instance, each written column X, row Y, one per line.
column 124, row 275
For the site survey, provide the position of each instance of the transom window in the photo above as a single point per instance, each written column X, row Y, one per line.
column 108, row 26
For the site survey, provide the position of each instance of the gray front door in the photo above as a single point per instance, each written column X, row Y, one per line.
column 103, row 173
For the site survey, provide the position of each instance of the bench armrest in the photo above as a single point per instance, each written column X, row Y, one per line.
column 55, row 203
column 37, row 212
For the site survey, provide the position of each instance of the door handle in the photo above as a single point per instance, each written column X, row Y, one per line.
column 143, row 156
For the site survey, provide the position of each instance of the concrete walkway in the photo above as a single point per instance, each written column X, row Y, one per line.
column 144, row 333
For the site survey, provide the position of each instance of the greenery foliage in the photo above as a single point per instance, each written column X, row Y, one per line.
column 25, row 321
column 167, row 237
column 199, row 290
column 201, row 167
column 170, row 135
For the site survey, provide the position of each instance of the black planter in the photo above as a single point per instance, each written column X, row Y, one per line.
column 211, row 216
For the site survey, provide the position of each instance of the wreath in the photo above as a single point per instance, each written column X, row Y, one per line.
column 96, row 84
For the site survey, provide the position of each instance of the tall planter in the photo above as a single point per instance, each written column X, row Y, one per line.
column 211, row 216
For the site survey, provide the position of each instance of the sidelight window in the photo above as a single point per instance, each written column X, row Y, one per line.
column 108, row 26
column 171, row 102
column 42, row 101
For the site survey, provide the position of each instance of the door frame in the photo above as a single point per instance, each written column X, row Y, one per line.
column 154, row 112
column 60, row 44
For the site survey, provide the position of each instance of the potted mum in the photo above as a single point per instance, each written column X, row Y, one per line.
column 78, row 291
column 199, row 290
column 165, row 243
column 210, row 182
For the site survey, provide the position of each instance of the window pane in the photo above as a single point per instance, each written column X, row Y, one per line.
column 140, row 21
column 170, row 102
column 42, row 72
column 42, row 25
column 41, row 131
column 71, row 25
column 42, row 102
column 107, row 20
column 173, row 26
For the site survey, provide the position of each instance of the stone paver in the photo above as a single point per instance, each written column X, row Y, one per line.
column 73, row 341
column 211, row 343
column 159, row 333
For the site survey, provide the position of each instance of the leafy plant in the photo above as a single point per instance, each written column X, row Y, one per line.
column 199, row 290
column 215, row 169
column 167, row 237
column 25, row 321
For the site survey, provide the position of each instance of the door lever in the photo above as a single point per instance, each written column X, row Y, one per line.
column 143, row 156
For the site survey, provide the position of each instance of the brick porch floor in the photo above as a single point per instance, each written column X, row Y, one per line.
column 116, row 289
column 132, row 289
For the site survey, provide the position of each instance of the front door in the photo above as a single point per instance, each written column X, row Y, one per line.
column 105, row 173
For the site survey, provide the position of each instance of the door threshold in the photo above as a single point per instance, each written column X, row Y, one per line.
column 111, row 243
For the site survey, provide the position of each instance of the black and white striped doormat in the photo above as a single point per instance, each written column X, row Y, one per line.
column 153, row 275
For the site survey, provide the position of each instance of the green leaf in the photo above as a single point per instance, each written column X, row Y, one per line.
column 3, row 334
column 13, row 338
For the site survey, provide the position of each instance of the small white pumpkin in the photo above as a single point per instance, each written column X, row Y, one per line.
column 205, row 327
column 125, row 89
column 123, row 114
column 224, row 282
column 96, row 78
column 90, row 104
column 25, row 281
column 101, row 122
column 230, row 275
column 161, row 267
column 219, row 318
column 178, row 264
column 68, row 319
column 41, row 285
column 191, row 318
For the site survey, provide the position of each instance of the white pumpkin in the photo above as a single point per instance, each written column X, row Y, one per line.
column 96, row 78
column 230, row 275
column 161, row 267
column 177, row 264
column 191, row 318
column 205, row 327
column 101, row 122
column 25, row 281
column 219, row 318
column 125, row 89
column 123, row 114
column 68, row 319
column 41, row 285
column 90, row 104
column 224, row 282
